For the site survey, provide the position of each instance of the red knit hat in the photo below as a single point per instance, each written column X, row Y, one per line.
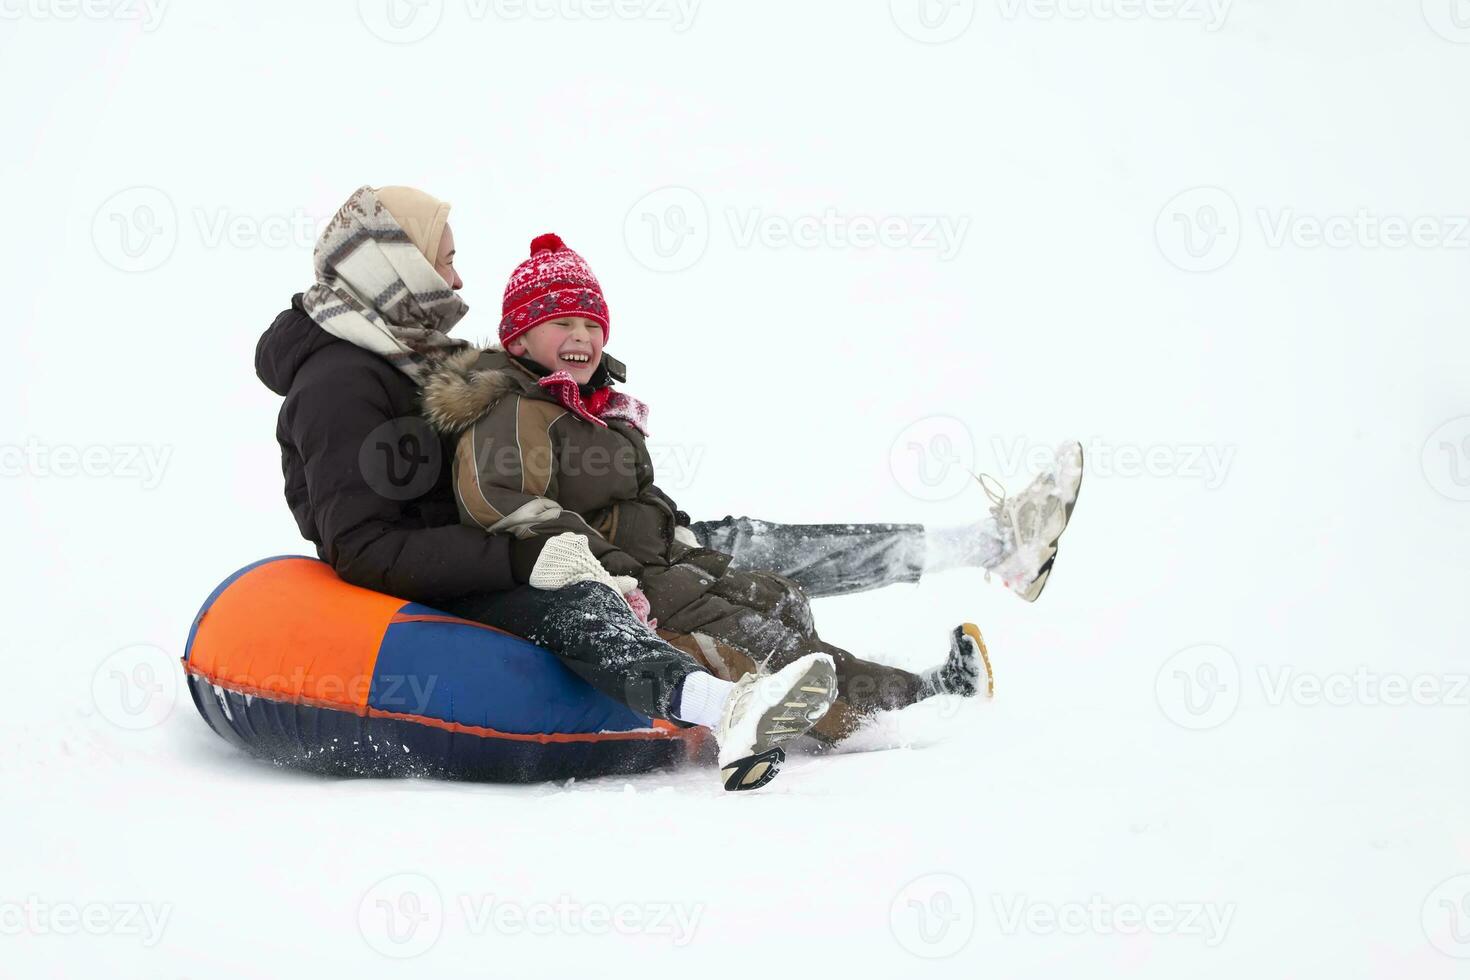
column 554, row 282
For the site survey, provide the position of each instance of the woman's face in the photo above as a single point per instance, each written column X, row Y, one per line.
column 444, row 264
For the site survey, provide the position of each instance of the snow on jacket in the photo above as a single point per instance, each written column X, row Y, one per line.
column 526, row 466
column 367, row 480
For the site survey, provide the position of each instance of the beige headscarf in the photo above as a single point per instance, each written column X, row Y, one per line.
column 422, row 215
column 375, row 284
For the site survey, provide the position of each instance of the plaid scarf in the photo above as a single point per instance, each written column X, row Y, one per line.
column 375, row 289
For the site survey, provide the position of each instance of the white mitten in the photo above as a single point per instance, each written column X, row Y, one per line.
column 566, row 560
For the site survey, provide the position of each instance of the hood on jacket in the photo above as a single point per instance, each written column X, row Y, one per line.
column 464, row 387
column 285, row 346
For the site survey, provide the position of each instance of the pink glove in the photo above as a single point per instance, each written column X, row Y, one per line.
column 638, row 602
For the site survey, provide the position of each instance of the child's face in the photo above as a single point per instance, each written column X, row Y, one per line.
column 572, row 344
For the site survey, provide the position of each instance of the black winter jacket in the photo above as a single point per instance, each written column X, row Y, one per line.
column 366, row 477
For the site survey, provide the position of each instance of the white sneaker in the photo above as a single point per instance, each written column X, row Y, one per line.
column 966, row 672
column 1034, row 519
column 765, row 710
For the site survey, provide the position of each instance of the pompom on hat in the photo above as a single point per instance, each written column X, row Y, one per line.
column 554, row 282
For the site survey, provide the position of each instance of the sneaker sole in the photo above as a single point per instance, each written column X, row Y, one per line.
column 803, row 705
column 973, row 632
column 1039, row 583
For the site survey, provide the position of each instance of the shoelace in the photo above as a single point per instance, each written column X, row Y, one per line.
column 740, row 700
column 997, row 496
column 996, row 491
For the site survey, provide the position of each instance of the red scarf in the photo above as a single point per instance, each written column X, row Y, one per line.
column 603, row 403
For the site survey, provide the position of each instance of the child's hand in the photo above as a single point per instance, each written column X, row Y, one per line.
column 638, row 602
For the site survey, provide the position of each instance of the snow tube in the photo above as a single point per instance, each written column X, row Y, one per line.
column 290, row 663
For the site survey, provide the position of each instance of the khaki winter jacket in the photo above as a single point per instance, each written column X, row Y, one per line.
column 526, row 466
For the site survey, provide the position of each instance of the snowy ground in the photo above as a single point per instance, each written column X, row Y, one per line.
column 1230, row 738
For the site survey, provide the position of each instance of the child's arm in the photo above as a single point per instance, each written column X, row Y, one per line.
column 505, row 480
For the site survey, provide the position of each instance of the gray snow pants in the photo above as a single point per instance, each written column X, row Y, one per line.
column 824, row 559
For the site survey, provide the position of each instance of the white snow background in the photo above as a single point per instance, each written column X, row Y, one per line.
column 1230, row 738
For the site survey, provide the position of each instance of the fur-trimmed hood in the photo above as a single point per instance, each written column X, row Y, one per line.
column 463, row 388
